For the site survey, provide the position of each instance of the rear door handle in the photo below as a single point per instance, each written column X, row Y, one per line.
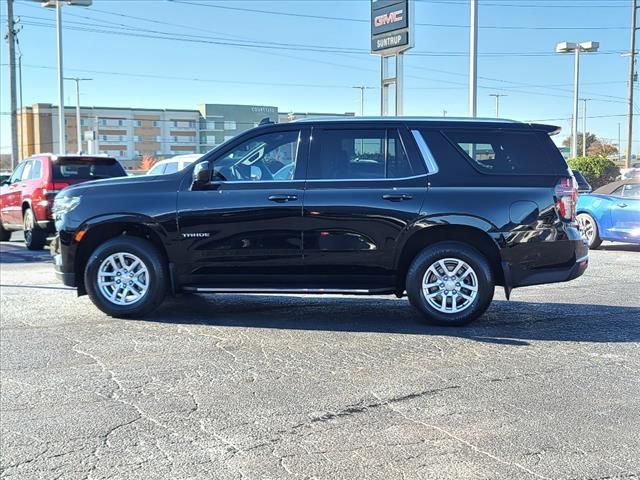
column 622, row 205
column 397, row 197
column 283, row 198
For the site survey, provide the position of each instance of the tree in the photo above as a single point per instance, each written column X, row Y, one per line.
column 147, row 162
column 602, row 150
column 597, row 170
column 591, row 139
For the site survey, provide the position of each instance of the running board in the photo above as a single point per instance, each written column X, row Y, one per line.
column 338, row 291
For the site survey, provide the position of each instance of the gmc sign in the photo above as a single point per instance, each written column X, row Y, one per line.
column 390, row 25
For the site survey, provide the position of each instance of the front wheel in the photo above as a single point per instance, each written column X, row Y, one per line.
column 126, row 277
column 589, row 230
column 450, row 283
column 34, row 236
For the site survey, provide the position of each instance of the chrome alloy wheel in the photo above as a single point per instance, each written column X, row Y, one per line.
column 586, row 227
column 450, row 285
column 123, row 278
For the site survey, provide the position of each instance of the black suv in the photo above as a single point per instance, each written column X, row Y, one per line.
column 442, row 209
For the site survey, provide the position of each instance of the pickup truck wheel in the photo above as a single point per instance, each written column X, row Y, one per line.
column 126, row 277
column 34, row 236
column 450, row 283
column 5, row 235
column 589, row 230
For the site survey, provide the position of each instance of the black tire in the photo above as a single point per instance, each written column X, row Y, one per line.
column 456, row 251
column 5, row 235
column 593, row 237
column 34, row 237
column 157, row 276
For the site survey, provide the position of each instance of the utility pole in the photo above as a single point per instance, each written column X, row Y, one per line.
column 584, row 126
column 497, row 95
column 444, row 113
column 632, row 59
column 362, row 89
column 78, row 128
column 473, row 60
column 12, row 83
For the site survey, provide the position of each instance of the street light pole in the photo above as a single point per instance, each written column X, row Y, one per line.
column 12, row 84
column 58, row 6
column 61, row 127
column 473, row 59
column 78, row 128
column 576, row 48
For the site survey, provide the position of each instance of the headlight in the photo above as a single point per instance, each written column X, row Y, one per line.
column 63, row 205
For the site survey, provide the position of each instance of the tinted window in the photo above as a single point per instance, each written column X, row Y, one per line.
column 272, row 156
column 87, row 169
column 504, row 152
column 359, row 155
column 171, row 167
column 36, row 170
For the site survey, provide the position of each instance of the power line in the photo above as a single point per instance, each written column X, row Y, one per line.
column 358, row 20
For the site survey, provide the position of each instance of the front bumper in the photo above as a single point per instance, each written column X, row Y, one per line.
column 62, row 271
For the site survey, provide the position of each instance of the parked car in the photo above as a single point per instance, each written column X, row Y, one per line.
column 583, row 185
column 611, row 212
column 442, row 209
column 26, row 198
column 173, row 164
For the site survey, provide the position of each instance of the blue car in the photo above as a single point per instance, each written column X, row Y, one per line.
column 611, row 212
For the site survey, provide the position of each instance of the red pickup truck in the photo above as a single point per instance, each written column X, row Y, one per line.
column 26, row 198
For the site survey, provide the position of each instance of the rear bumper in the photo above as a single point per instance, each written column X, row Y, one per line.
column 551, row 261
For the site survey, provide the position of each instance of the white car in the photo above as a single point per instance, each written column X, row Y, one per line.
column 173, row 164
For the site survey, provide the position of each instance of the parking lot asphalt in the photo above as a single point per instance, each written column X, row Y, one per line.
column 268, row 387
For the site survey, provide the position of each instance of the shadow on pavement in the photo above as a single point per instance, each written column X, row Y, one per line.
column 16, row 252
column 507, row 323
column 620, row 247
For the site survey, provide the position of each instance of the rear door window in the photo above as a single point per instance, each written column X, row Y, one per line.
column 157, row 169
column 87, row 169
column 26, row 173
column 508, row 153
column 36, row 170
column 360, row 154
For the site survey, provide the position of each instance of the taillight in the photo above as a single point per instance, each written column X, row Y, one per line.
column 49, row 191
column 566, row 199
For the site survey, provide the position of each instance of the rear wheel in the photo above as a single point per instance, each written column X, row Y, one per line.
column 589, row 230
column 34, row 237
column 126, row 277
column 450, row 283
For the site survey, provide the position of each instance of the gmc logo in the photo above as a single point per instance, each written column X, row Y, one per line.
column 388, row 18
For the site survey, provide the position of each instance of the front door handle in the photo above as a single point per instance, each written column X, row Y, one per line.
column 283, row 198
column 397, row 197
column 622, row 205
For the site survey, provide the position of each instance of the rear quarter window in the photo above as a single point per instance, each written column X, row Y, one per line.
column 501, row 152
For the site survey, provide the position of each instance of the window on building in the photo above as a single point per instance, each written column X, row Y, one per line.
column 229, row 124
column 266, row 157
column 137, row 123
column 156, row 123
column 359, row 154
column 211, row 125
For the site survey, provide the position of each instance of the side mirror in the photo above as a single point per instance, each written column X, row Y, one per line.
column 201, row 175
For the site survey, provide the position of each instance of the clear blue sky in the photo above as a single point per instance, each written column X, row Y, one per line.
column 518, row 62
